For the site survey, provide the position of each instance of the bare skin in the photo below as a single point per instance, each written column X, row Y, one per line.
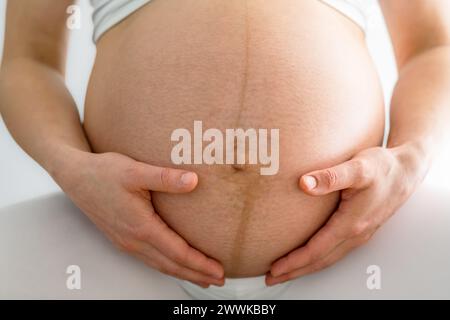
column 32, row 87
column 35, row 56
column 377, row 181
column 247, row 70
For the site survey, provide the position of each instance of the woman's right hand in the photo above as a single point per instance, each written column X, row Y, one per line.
column 114, row 192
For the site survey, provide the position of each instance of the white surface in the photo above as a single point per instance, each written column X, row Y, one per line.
column 411, row 251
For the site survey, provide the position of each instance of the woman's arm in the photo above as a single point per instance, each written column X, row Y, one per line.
column 34, row 102
column 377, row 181
column 111, row 189
column 420, row 106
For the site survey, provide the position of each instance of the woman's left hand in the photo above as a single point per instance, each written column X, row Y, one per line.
column 374, row 184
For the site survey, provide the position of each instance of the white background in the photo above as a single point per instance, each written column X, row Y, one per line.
column 21, row 178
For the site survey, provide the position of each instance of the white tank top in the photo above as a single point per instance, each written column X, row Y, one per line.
column 107, row 13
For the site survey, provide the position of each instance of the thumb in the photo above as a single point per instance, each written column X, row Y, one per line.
column 162, row 179
column 350, row 174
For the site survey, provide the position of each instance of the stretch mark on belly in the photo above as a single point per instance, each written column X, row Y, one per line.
column 245, row 72
column 250, row 195
column 251, row 185
column 243, row 93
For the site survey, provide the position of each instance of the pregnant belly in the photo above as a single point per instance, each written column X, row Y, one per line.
column 296, row 66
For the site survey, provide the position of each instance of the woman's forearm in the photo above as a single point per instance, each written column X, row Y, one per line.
column 420, row 107
column 40, row 113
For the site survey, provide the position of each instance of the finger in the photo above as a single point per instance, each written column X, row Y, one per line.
column 322, row 263
column 179, row 271
column 156, row 232
column 321, row 244
column 177, row 249
column 163, row 179
column 159, row 261
column 351, row 174
column 155, row 266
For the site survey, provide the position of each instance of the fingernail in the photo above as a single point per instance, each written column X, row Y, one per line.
column 218, row 283
column 310, row 182
column 187, row 178
column 217, row 275
column 276, row 274
column 271, row 284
